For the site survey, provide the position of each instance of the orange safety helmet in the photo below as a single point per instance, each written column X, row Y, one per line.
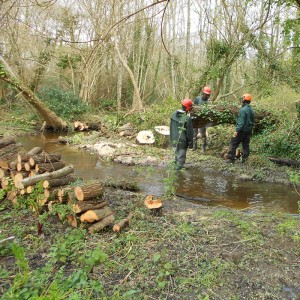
column 247, row 97
column 206, row 90
column 187, row 103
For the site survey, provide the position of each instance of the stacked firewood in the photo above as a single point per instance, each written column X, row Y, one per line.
column 20, row 171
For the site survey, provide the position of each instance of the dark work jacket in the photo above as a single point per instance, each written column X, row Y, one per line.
column 199, row 100
column 245, row 120
column 181, row 130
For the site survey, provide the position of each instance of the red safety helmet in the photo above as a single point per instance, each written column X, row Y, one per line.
column 206, row 90
column 247, row 97
column 187, row 103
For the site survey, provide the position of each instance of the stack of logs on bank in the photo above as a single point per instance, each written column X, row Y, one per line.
column 21, row 171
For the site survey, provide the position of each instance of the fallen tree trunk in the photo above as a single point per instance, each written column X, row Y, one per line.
column 53, row 175
column 51, row 119
column 89, row 191
column 123, row 223
column 285, row 161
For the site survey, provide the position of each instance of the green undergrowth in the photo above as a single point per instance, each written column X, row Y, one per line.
column 184, row 252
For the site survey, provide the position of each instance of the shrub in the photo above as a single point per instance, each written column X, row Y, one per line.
column 64, row 103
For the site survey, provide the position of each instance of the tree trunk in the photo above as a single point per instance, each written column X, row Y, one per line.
column 51, row 119
column 137, row 103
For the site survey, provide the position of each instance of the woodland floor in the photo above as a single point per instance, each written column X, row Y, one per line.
column 187, row 251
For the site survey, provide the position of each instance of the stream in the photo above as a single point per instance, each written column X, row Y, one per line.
column 204, row 188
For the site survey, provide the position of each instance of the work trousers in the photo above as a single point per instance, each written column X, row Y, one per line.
column 180, row 157
column 202, row 131
column 242, row 137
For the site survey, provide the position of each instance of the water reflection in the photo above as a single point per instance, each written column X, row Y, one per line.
column 198, row 186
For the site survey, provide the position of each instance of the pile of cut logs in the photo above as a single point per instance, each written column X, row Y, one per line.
column 21, row 170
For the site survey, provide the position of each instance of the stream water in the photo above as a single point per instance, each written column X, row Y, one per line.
column 207, row 189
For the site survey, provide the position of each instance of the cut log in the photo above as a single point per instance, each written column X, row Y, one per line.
column 46, row 176
column 59, row 182
column 32, row 173
column 29, row 189
column 38, row 158
column 41, row 201
column 18, row 181
column 35, row 150
column 46, row 193
column 20, row 166
column 4, row 183
column 123, row 223
column 83, row 206
column 101, row 224
column 27, row 166
column 45, row 158
column 285, row 162
column 7, row 141
column 4, row 173
column 49, row 167
column 89, row 191
column 96, row 215
column 4, row 165
column 13, row 165
column 11, row 195
column 63, row 194
column 122, row 184
column 72, row 220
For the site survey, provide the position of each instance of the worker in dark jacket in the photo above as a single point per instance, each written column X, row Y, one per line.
column 181, row 132
column 243, row 130
column 201, row 100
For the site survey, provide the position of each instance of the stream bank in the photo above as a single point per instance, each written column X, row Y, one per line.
column 207, row 180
